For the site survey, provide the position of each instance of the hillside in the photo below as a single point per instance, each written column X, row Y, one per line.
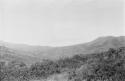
column 8, row 55
column 103, row 66
column 98, row 45
column 40, row 52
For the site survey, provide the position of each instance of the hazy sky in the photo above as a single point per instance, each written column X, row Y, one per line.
column 59, row 22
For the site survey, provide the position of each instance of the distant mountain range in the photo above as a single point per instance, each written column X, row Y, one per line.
column 31, row 54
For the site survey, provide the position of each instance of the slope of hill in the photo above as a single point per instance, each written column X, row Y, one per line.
column 98, row 45
column 101, row 66
column 105, row 66
column 8, row 55
column 24, row 47
column 41, row 52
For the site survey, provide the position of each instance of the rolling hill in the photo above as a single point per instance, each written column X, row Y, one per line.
column 31, row 54
column 8, row 55
column 98, row 45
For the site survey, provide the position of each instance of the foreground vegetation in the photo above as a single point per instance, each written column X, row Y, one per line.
column 104, row 66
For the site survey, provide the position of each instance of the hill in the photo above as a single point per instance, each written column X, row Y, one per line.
column 98, row 45
column 37, row 53
column 8, row 55
column 103, row 66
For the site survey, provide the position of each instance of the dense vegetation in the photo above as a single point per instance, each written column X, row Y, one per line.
column 104, row 66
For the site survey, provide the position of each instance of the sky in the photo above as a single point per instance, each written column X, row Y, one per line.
column 60, row 22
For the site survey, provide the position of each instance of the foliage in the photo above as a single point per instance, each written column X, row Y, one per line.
column 104, row 66
column 107, row 66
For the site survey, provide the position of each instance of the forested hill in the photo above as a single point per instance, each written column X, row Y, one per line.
column 101, row 66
